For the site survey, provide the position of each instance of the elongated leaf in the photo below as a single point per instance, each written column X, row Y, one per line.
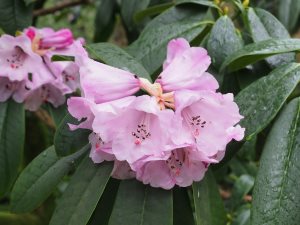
column 57, row 114
column 129, row 8
column 260, row 101
column 254, row 52
column 12, row 133
column 137, row 204
column 241, row 187
column 14, row 15
column 39, row 179
column 223, row 41
column 7, row 218
column 153, row 10
column 104, row 208
column 104, row 20
column 263, row 26
column 209, row 208
column 243, row 216
column 67, row 141
column 115, row 56
column 60, row 58
column 82, row 194
column 289, row 11
column 199, row 2
column 276, row 197
column 28, row 2
column 150, row 47
column 183, row 213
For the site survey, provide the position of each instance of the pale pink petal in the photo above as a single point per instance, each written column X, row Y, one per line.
column 187, row 71
column 17, row 58
column 175, row 48
column 209, row 118
column 7, row 88
column 81, row 108
column 102, row 83
column 100, row 151
column 107, row 116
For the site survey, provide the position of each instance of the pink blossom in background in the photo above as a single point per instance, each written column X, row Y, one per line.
column 168, row 136
column 66, row 71
column 17, row 58
column 28, row 75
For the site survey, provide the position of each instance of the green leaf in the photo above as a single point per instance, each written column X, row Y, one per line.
column 57, row 114
column 223, row 41
column 263, row 26
column 117, row 57
column 183, row 212
column 153, row 10
column 14, row 15
column 105, row 206
column 254, row 52
column 242, row 186
column 137, row 204
column 67, row 58
column 12, row 133
column 151, row 46
column 260, row 101
column 129, row 8
column 243, row 216
column 7, row 218
column 67, row 141
column 39, row 179
column 82, row 194
column 104, row 20
column 209, row 208
column 276, row 196
column 28, row 2
column 198, row 2
column 289, row 11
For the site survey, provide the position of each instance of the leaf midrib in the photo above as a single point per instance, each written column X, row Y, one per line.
column 287, row 161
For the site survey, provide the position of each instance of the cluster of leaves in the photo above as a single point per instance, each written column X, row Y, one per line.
column 252, row 56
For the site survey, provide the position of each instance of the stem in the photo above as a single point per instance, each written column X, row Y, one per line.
column 59, row 6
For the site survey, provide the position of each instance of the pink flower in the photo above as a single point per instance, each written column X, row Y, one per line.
column 100, row 151
column 48, row 38
column 81, row 109
column 185, row 68
column 66, row 71
column 52, row 92
column 17, row 60
column 141, row 129
column 209, row 118
column 7, row 88
column 180, row 167
column 102, row 83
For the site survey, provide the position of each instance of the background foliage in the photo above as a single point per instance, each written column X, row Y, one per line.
column 253, row 56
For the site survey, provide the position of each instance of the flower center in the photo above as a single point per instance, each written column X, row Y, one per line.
column 141, row 133
column 68, row 77
column 175, row 162
column 97, row 141
column 16, row 59
column 45, row 94
column 195, row 122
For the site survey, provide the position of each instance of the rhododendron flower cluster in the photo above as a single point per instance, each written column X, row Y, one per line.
column 168, row 136
column 27, row 73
